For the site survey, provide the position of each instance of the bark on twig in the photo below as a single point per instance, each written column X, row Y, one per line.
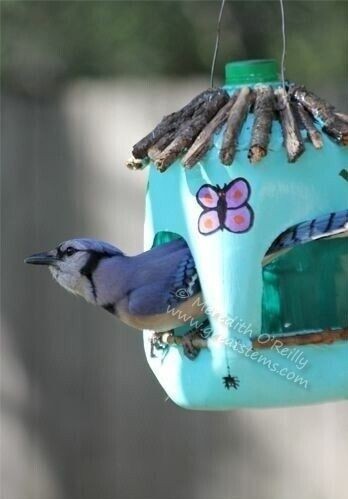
column 262, row 126
column 234, row 125
column 307, row 121
column 204, row 140
column 291, row 133
column 342, row 116
column 325, row 337
column 155, row 151
column 171, row 122
column 333, row 125
column 188, row 132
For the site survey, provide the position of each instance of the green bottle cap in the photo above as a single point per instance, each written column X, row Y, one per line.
column 251, row 72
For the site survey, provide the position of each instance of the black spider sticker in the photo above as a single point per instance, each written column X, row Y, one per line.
column 230, row 382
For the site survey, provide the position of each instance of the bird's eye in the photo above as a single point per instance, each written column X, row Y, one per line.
column 70, row 251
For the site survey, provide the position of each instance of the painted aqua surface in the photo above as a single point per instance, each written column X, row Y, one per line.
column 236, row 287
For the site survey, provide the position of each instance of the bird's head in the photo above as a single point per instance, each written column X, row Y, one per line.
column 73, row 263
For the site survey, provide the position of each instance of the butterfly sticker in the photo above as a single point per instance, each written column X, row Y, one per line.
column 225, row 207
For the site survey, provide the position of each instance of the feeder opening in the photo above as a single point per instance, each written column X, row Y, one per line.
column 165, row 237
column 306, row 288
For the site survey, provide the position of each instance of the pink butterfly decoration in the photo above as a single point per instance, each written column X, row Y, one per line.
column 225, row 207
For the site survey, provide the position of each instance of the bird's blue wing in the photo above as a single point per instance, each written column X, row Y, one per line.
column 163, row 283
column 185, row 281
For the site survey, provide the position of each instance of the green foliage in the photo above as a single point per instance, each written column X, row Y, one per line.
column 48, row 42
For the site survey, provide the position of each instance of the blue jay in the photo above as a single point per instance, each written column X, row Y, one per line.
column 140, row 290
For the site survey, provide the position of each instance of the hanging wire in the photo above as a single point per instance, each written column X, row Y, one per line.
column 217, row 43
column 284, row 43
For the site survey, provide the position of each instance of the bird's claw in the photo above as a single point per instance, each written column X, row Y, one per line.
column 203, row 331
column 190, row 351
column 158, row 348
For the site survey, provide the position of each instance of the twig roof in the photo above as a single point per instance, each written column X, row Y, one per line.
column 188, row 133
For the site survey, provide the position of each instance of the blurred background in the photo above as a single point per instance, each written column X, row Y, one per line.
column 82, row 415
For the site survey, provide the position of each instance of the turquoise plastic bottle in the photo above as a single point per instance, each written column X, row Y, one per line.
column 304, row 290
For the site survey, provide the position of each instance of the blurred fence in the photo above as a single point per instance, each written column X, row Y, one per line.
column 82, row 415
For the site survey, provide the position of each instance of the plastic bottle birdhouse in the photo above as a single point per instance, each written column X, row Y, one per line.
column 254, row 177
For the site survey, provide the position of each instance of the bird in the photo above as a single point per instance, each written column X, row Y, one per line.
column 328, row 226
column 143, row 290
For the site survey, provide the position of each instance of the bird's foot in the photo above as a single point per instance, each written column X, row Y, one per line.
column 160, row 342
column 158, row 348
column 190, row 351
column 203, row 331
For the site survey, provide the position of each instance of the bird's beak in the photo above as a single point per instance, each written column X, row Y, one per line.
column 46, row 258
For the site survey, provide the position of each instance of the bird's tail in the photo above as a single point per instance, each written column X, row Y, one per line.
column 331, row 225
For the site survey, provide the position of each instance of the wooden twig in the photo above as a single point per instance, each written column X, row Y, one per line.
column 204, row 140
column 191, row 129
column 155, row 151
column 171, row 122
column 325, row 337
column 291, row 133
column 333, row 125
column 307, row 121
column 188, row 132
column 318, row 107
column 262, row 126
column 234, row 125
column 338, row 130
column 342, row 116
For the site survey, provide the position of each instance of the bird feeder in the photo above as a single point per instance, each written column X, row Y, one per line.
column 231, row 172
